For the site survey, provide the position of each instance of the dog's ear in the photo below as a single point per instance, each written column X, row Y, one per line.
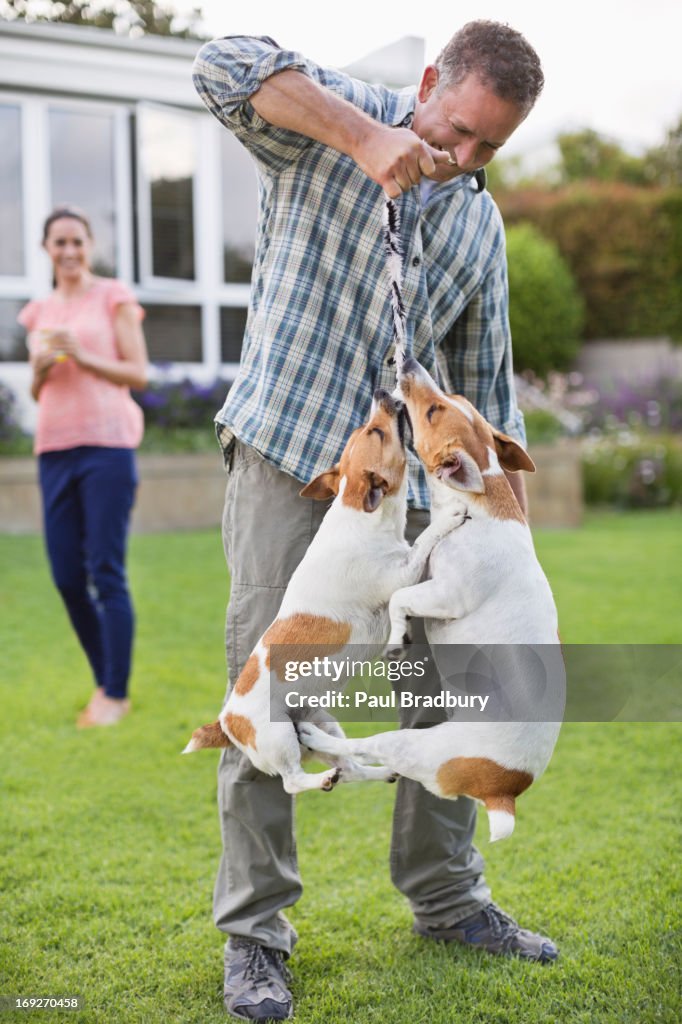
column 461, row 472
column 511, row 454
column 376, row 489
column 324, row 486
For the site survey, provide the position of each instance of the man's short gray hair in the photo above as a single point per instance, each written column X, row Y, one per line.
column 501, row 57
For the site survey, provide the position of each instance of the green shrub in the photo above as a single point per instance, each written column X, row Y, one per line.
column 630, row 470
column 545, row 309
column 624, row 247
column 13, row 440
column 542, row 426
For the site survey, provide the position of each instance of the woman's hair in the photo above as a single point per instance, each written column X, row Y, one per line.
column 66, row 211
column 500, row 56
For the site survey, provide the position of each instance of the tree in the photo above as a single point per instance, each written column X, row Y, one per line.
column 127, row 17
column 665, row 162
column 587, row 155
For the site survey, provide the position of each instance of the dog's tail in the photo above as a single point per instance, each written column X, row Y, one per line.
column 208, row 736
column 501, row 817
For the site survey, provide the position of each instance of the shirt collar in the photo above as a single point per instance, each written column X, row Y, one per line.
column 405, row 102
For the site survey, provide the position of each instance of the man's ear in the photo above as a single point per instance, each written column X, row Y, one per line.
column 324, row 486
column 376, row 489
column 429, row 82
column 511, row 454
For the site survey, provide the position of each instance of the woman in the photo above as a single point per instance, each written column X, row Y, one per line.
column 87, row 350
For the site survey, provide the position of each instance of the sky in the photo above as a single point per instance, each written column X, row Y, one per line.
column 610, row 65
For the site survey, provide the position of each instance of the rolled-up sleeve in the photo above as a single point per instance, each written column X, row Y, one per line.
column 227, row 72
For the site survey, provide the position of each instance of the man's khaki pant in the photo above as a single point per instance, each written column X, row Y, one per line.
column 267, row 528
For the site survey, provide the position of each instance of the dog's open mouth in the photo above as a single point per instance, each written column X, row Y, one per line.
column 404, row 424
column 448, row 467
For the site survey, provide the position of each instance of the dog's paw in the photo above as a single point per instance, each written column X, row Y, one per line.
column 304, row 734
column 312, row 738
column 331, row 779
column 396, row 652
column 460, row 518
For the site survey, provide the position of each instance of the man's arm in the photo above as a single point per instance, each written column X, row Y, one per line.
column 251, row 85
column 395, row 158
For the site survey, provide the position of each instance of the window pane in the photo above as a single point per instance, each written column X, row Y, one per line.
column 240, row 209
column 168, row 155
column 173, row 334
column 82, row 173
column 11, row 220
column 12, row 335
column 232, row 326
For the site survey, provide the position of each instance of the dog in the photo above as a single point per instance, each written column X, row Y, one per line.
column 337, row 596
column 485, row 587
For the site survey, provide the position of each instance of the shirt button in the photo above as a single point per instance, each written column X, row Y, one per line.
column 416, row 261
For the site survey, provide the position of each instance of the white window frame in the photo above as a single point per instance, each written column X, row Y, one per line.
column 36, row 187
column 120, row 115
column 208, row 290
column 190, row 289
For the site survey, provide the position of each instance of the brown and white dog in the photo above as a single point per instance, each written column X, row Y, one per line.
column 485, row 587
column 337, row 596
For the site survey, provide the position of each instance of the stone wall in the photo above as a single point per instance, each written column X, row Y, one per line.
column 176, row 492
column 183, row 492
column 633, row 360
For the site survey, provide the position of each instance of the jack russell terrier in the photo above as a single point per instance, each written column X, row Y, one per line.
column 486, row 587
column 337, row 596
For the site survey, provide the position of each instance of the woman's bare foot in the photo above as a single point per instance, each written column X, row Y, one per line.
column 103, row 710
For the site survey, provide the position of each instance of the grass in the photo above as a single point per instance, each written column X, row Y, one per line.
column 109, row 840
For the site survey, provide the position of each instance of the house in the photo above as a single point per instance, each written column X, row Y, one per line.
column 114, row 125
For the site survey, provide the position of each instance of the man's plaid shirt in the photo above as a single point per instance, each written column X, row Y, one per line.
column 318, row 337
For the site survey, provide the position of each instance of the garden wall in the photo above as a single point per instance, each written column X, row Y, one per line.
column 630, row 360
column 176, row 492
column 185, row 492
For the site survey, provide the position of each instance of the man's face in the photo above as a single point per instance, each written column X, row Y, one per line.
column 468, row 121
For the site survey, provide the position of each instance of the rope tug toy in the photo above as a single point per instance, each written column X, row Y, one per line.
column 394, row 262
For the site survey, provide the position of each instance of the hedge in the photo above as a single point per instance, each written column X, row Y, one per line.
column 624, row 247
column 545, row 309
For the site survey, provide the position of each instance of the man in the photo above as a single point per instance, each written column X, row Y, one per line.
column 318, row 341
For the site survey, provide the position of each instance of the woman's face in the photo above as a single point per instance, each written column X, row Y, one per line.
column 69, row 246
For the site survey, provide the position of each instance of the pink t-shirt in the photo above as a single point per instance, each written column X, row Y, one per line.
column 76, row 407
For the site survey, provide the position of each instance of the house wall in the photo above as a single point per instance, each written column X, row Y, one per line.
column 114, row 126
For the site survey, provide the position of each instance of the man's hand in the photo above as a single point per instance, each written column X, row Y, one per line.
column 397, row 159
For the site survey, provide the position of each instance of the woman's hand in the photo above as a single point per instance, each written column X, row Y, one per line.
column 42, row 361
column 66, row 343
column 130, row 369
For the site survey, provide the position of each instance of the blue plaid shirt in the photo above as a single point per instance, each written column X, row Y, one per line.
column 318, row 337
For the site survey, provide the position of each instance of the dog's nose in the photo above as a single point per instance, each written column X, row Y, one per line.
column 386, row 401
column 409, row 365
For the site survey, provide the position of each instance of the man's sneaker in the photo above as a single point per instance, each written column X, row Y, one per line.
column 256, row 982
column 496, row 932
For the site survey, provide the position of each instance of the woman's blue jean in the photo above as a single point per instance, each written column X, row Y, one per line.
column 88, row 495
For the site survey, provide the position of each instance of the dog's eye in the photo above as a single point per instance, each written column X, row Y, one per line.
column 433, row 408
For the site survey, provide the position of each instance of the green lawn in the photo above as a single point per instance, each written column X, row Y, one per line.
column 109, row 839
